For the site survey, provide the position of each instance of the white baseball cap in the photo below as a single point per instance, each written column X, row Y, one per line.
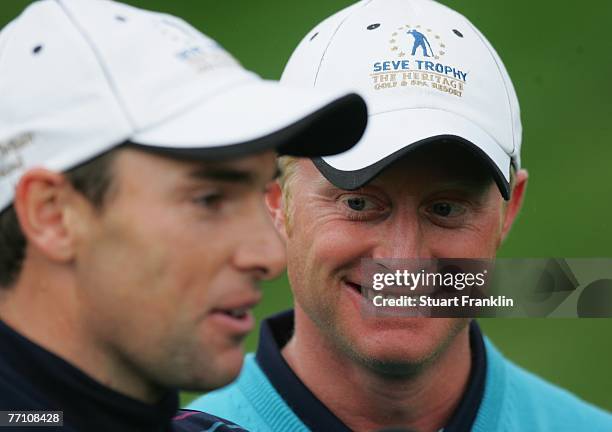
column 426, row 73
column 79, row 77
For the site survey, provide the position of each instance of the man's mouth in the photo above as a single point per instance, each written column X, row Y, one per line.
column 354, row 286
column 236, row 317
column 238, row 313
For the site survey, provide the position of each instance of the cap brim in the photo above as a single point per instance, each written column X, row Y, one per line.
column 258, row 116
column 391, row 135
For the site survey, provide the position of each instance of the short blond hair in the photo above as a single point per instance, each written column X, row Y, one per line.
column 287, row 165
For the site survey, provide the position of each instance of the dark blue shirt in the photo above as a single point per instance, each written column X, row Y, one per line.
column 32, row 378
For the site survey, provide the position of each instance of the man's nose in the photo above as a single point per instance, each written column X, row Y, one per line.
column 401, row 238
column 261, row 251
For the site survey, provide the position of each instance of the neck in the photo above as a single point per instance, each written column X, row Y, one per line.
column 45, row 307
column 424, row 401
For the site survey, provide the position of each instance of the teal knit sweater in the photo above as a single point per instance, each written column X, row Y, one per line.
column 514, row 400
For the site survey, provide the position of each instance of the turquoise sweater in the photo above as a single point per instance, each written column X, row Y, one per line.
column 514, row 400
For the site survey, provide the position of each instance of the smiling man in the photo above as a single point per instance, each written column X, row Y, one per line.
column 437, row 175
column 134, row 154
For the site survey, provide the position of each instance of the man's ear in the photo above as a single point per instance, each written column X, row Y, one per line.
column 274, row 202
column 40, row 204
column 516, row 201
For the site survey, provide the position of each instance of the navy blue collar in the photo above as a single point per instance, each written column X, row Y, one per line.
column 32, row 378
column 277, row 330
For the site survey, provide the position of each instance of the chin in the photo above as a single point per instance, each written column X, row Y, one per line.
column 402, row 343
column 216, row 372
column 394, row 347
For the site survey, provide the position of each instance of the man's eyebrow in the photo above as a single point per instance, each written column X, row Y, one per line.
column 228, row 175
column 223, row 174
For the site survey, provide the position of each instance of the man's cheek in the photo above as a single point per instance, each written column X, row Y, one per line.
column 340, row 243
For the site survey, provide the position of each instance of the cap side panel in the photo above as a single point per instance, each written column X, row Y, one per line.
column 107, row 75
column 362, row 4
column 56, row 109
column 5, row 35
column 302, row 71
column 510, row 92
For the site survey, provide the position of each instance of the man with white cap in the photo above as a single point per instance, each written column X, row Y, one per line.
column 134, row 152
column 437, row 175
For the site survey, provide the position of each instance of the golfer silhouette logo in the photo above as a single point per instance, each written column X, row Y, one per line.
column 420, row 41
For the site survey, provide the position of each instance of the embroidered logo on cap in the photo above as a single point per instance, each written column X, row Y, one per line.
column 193, row 48
column 418, row 62
column 11, row 158
column 418, row 42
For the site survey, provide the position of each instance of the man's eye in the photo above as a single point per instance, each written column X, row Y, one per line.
column 357, row 203
column 210, row 200
column 447, row 209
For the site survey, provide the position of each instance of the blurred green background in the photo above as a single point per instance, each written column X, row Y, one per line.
column 560, row 59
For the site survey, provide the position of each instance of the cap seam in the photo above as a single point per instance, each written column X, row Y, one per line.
column 8, row 35
column 501, row 72
column 365, row 3
column 107, row 75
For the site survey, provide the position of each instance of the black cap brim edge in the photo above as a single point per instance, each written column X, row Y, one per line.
column 332, row 129
column 351, row 180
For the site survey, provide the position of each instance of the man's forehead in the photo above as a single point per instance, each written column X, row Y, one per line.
column 260, row 167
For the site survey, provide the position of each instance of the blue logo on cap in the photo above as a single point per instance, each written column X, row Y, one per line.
column 420, row 41
column 417, row 60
